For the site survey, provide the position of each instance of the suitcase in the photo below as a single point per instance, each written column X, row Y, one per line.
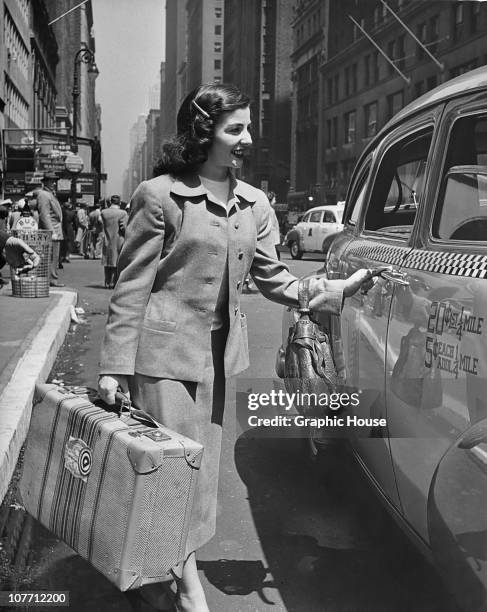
column 117, row 489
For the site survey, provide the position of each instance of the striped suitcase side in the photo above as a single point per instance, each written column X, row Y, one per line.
column 122, row 521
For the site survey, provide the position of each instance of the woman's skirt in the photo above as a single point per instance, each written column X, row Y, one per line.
column 194, row 410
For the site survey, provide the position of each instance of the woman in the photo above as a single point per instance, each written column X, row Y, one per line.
column 175, row 330
column 114, row 220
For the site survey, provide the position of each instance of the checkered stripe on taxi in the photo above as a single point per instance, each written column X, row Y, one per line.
column 455, row 264
column 388, row 254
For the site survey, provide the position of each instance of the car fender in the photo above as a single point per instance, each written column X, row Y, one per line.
column 457, row 517
column 294, row 235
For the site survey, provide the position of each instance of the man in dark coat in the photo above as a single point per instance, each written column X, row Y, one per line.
column 50, row 218
column 114, row 221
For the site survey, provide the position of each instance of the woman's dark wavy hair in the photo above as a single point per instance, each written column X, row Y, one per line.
column 196, row 121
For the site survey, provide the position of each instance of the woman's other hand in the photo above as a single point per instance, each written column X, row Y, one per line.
column 109, row 384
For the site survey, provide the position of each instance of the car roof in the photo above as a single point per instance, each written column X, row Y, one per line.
column 459, row 86
column 474, row 79
column 332, row 207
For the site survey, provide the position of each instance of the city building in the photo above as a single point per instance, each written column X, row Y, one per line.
column 257, row 47
column 173, row 83
column 204, row 50
column 362, row 89
column 137, row 153
column 310, row 37
column 74, row 32
column 153, row 147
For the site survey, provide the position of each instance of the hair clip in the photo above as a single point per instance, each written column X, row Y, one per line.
column 199, row 109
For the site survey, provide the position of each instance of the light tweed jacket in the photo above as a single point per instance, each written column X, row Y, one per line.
column 170, row 268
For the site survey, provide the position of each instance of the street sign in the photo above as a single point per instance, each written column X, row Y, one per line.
column 74, row 163
column 33, row 178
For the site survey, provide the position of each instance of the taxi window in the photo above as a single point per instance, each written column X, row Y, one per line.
column 315, row 217
column 398, row 186
column 358, row 194
column 461, row 213
column 329, row 217
column 305, row 219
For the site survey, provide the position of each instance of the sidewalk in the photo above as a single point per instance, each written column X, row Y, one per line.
column 31, row 333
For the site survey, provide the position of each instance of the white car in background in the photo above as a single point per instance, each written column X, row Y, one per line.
column 314, row 233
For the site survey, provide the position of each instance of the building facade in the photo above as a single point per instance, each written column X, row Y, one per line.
column 173, row 84
column 309, row 27
column 74, row 32
column 204, row 43
column 257, row 48
column 362, row 90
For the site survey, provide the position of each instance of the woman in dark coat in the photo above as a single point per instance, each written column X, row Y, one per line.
column 175, row 330
column 114, row 221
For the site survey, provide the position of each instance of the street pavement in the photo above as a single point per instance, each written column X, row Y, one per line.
column 291, row 535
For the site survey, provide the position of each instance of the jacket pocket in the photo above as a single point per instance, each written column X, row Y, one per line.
column 159, row 326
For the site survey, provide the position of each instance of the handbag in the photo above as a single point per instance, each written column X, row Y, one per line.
column 309, row 366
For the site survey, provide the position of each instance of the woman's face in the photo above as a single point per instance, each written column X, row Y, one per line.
column 231, row 139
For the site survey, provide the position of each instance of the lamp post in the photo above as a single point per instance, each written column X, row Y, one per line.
column 83, row 56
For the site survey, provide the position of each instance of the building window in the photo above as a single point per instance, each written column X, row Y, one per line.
column 336, row 84
column 218, row 47
column 350, row 127
column 423, row 37
column 376, row 15
column 331, row 126
column 391, row 51
column 367, row 75
column 347, row 81
column 401, row 52
column 218, row 64
column 394, row 103
column 376, row 66
column 218, row 12
column 218, row 30
column 329, row 87
column 419, row 89
column 353, row 77
column 431, row 82
column 459, row 13
column 434, row 33
column 371, row 120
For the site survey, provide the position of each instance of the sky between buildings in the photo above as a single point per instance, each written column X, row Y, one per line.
column 129, row 38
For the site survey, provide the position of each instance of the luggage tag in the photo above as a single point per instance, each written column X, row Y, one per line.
column 127, row 411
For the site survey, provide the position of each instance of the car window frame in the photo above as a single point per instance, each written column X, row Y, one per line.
column 408, row 128
column 316, row 212
column 460, row 108
column 361, row 174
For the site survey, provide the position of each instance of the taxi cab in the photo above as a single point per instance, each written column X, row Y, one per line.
column 417, row 341
column 312, row 233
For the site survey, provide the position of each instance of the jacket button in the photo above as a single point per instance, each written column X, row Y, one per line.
column 240, row 255
column 237, row 225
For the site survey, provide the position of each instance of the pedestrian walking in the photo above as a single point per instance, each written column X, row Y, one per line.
column 95, row 226
column 81, row 241
column 276, row 232
column 50, row 218
column 114, row 223
column 70, row 227
column 175, row 331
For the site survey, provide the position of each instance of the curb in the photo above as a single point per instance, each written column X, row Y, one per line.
column 33, row 367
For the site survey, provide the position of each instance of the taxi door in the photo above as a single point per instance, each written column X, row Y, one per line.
column 436, row 372
column 382, row 232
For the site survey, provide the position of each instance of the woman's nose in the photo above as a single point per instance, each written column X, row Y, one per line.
column 246, row 138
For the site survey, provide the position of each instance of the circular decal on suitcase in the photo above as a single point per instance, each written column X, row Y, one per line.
column 78, row 458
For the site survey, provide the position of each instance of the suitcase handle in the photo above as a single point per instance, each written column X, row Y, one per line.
column 124, row 405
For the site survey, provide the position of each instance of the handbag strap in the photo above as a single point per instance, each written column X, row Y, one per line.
column 303, row 296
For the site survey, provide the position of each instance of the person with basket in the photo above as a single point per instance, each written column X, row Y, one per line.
column 175, row 330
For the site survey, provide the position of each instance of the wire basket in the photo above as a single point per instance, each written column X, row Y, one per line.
column 35, row 283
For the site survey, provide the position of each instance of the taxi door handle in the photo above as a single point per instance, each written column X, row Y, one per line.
column 394, row 276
